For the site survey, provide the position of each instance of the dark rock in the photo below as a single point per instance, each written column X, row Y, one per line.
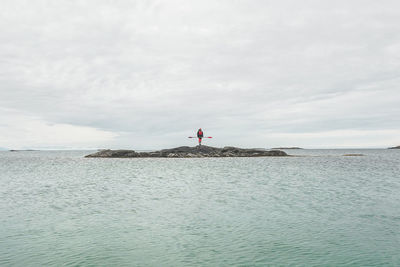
column 189, row 152
column 395, row 147
column 107, row 153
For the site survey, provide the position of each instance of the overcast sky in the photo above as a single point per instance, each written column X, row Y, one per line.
column 147, row 74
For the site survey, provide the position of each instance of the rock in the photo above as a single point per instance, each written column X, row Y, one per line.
column 189, row 152
column 107, row 153
column 395, row 147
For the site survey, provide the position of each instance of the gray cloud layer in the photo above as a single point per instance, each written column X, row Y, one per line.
column 147, row 74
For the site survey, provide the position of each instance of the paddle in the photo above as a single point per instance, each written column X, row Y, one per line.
column 201, row 137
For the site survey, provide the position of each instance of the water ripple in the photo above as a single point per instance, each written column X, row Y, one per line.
column 58, row 208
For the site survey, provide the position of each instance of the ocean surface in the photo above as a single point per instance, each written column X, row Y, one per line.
column 58, row 208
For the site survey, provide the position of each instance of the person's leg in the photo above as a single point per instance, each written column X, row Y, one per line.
column 199, row 141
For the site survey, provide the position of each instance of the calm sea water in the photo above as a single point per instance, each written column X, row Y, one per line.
column 58, row 208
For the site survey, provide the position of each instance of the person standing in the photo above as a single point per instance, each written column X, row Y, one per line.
column 200, row 135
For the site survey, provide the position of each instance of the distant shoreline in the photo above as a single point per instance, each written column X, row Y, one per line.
column 294, row 147
column 151, row 150
column 18, row 150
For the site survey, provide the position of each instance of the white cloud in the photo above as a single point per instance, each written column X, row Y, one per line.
column 157, row 70
column 342, row 139
column 19, row 131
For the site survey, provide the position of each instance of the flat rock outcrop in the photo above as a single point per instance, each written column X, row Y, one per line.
column 189, row 152
column 395, row 147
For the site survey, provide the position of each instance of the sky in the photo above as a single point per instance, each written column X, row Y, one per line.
column 147, row 74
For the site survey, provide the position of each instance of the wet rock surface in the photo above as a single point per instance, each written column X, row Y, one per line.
column 189, row 152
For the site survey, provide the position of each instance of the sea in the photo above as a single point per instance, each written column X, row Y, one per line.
column 317, row 208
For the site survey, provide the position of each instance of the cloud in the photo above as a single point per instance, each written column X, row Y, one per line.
column 20, row 131
column 152, row 72
column 343, row 139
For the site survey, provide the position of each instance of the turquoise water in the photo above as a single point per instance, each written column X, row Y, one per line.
column 58, row 208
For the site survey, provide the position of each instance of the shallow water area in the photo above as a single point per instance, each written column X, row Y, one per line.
column 59, row 208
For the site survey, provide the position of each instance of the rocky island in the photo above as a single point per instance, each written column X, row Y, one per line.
column 189, row 152
column 395, row 147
